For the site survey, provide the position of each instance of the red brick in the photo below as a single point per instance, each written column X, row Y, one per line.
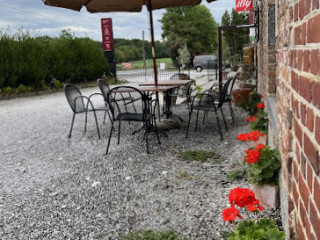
column 307, row 7
column 303, row 34
column 297, row 35
column 317, row 131
column 315, row 4
column 295, row 194
column 295, row 107
column 313, row 237
column 294, row 81
column 313, row 34
column 304, row 191
column 316, row 94
column 299, row 59
column 316, row 190
column 312, row 153
column 310, row 178
column 298, row 132
column 293, row 58
column 315, row 220
column 300, row 233
column 305, row 220
column 303, row 166
column 306, row 61
column 295, row 171
column 296, row 12
column 305, row 88
column 314, row 62
column 301, row 9
column 303, row 111
column 298, row 153
column 310, row 119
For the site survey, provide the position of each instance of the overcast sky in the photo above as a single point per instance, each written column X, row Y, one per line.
column 44, row 20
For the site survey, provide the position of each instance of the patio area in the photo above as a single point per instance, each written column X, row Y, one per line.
column 52, row 187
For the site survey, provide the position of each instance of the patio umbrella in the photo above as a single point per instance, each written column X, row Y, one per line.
column 95, row 6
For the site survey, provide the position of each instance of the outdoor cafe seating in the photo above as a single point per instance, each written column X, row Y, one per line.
column 125, row 111
column 206, row 103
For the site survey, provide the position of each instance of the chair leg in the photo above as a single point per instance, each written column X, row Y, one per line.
column 204, row 116
column 218, row 122
column 109, row 140
column 195, row 129
column 85, row 122
column 71, row 125
column 146, row 136
column 119, row 129
column 95, row 117
column 190, row 114
column 224, row 120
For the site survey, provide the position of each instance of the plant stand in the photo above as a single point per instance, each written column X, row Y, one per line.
column 268, row 195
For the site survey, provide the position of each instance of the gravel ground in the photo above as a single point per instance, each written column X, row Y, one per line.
column 52, row 187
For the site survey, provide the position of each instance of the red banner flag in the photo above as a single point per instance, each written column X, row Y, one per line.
column 107, row 36
column 243, row 5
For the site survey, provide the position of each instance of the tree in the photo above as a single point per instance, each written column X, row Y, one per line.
column 193, row 26
column 235, row 38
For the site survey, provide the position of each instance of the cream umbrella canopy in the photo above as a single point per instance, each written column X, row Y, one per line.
column 95, row 6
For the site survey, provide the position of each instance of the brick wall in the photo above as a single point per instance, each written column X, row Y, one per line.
column 298, row 115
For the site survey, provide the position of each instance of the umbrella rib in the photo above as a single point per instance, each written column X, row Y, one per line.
column 87, row 2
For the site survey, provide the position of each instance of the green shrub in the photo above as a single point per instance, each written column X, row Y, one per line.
column 266, row 169
column 151, row 235
column 7, row 91
column 251, row 106
column 265, row 229
column 22, row 89
column 261, row 122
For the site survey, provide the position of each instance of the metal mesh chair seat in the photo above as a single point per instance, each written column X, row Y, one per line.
column 134, row 117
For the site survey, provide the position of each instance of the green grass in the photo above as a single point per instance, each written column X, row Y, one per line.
column 149, row 63
column 201, row 156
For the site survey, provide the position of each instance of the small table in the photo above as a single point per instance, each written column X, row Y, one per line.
column 176, row 84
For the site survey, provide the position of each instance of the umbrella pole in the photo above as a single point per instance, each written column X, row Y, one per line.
column 155, row 70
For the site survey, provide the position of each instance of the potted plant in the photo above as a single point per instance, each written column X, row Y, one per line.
column 264, row 165
column 244, row 199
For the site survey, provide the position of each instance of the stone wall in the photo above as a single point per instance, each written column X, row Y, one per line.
column 298, row 115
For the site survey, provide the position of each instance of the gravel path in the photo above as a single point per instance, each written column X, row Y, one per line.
column 52, row 187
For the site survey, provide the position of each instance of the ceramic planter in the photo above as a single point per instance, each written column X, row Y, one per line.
column 241, row 96
column 268, row 195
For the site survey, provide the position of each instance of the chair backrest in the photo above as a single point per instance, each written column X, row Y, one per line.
column 104, row 88
column 74, row 97
column 232, row 84
column 180, row 76
column 224, row 93
column 127, row 99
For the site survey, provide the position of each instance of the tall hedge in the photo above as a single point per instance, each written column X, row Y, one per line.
column 35, row 61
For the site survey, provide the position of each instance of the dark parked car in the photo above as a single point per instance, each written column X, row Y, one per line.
column 205, row 62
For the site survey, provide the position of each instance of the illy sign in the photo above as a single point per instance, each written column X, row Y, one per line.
column 243, row 5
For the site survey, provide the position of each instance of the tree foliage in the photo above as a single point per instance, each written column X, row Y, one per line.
column 235, row 38
column 193, row 26
column 131, row 50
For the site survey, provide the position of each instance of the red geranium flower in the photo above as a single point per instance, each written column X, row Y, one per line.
column 250, row 119
column 252, row 136
column 254, row 206
column 230, row 214
column 241, row 196
column 260, row 105
column 261, row 96
column 253, row 154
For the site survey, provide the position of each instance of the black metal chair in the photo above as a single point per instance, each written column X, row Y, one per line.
column 104, row 88
column 140, row 111
column 228, row 98
column 81, row 104
column 206, row 103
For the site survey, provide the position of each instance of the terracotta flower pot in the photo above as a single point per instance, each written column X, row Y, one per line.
column 241, row 96
column 261, row 140
column 268, row 195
